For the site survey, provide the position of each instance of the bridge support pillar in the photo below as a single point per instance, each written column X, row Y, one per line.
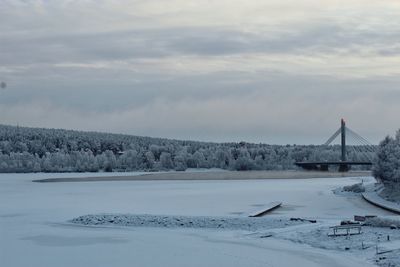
column 344, row 168
column 343, row 132
column 324, row 167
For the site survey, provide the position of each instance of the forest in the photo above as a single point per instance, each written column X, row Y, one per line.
column 25, row 149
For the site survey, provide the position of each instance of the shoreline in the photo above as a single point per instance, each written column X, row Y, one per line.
column 208, row 176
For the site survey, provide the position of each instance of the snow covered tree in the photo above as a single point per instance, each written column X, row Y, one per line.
column 166, row 161
column 387, row 164
column 180, row 160
column 221, row 158
column 243, row 161
column 129, row 160
column 199, row 159
column 149, row 160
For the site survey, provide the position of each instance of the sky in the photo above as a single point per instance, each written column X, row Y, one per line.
column 276, row 71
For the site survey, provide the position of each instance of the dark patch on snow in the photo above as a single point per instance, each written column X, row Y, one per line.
column 227, row 223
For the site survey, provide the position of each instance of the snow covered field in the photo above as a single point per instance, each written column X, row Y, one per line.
column 36, row 228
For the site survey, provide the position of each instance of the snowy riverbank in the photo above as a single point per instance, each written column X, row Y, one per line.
column 377, row 244
column 375, row 198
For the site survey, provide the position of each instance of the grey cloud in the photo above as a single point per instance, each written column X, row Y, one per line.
column 123, row 45
column 389, row 51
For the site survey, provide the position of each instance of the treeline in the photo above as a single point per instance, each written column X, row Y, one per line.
column 24, row 149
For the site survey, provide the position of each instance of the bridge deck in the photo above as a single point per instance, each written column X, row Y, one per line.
column 344, row 166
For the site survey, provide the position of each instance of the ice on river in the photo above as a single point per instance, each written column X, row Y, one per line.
column 34, row 228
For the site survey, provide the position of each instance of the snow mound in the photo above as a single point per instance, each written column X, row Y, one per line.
column 355, row 188
column 382, row 222
column 228, row 223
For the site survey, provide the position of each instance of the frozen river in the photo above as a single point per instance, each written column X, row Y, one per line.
column 34, row 229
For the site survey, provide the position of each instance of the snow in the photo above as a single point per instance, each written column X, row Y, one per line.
column 36, row 228
column 319, row 237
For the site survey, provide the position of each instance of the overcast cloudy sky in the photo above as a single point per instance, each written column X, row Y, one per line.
column 272, row 71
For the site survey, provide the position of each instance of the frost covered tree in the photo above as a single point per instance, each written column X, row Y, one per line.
column 129, row 160
column 148, row 160
column 243, row 161
column 181, row 160
column 387, row 164
column 111, row 161
column 199, row 159
column 222, row 158
column 166, row 161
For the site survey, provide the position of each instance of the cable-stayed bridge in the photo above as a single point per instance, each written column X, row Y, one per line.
column 360, row 146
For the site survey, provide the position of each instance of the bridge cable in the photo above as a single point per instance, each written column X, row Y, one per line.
column 359, row 155
column 362, row 148
column 359, row 136
column 354, row 148
column 361, row 140
column 333, row 137
column 361, row 143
